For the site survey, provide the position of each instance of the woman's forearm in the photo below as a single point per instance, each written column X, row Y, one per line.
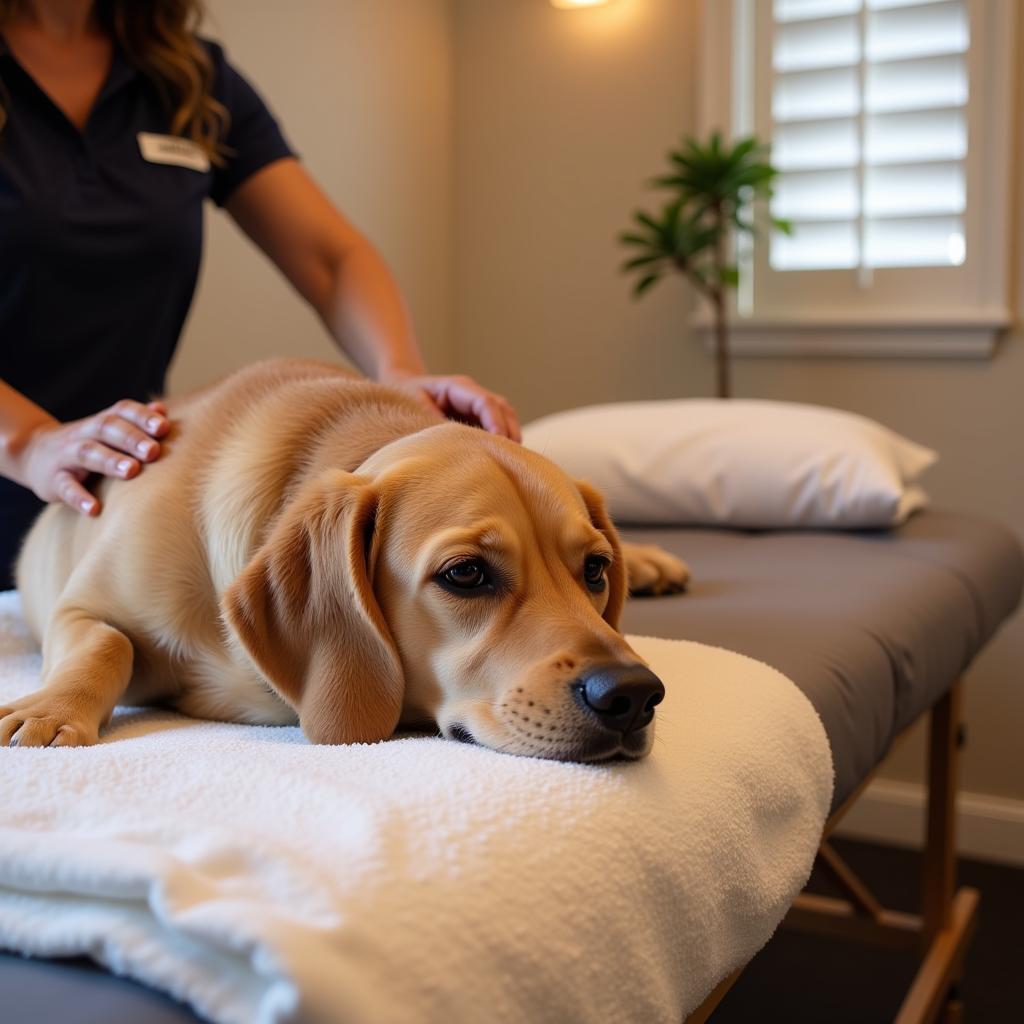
column 367, row 316
column 20, row 418
column 343, row 277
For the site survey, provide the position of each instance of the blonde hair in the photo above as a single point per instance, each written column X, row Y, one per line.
column 159, row 38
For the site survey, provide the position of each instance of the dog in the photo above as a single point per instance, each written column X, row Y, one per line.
column 312, row 547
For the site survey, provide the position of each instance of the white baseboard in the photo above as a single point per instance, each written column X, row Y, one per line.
column 988, row 828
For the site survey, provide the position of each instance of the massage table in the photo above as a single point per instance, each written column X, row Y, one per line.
column 875, row 628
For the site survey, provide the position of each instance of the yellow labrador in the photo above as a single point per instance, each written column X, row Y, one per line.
column 313, row 547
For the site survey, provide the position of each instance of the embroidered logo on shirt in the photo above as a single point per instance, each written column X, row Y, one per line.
column 170, row 149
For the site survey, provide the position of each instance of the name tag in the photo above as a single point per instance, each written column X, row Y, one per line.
column 170, row 149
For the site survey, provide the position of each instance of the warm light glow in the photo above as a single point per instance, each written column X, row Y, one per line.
column 566, row 4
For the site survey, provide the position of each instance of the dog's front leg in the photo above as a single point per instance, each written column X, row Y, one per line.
column 88, row 665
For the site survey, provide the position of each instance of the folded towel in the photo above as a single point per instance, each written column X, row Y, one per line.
column 259, row 878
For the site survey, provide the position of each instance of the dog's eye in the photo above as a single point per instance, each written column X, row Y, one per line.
column 594, row 569
column 468, row 575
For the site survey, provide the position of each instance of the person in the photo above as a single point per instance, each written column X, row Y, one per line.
column 117, row 121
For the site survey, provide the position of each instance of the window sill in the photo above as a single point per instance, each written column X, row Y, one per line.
column 973, row 336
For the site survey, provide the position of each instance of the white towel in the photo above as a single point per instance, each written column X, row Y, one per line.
column 259, row 878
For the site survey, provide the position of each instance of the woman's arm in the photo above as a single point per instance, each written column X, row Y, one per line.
column 345, row 280
column 52, row 458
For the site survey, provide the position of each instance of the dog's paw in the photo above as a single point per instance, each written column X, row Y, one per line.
column 44, row 720
column 653, row 571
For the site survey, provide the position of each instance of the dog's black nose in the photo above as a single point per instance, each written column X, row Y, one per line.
column 622, row 696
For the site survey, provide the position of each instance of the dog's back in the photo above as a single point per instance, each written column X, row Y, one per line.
column 153, row 561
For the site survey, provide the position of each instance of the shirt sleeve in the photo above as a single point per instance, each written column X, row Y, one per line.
column 253, row 137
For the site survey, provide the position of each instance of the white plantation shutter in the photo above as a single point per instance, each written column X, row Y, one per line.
column 892, row 123
column 869, row 129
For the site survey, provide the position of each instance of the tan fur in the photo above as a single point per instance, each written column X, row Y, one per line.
column 279, row 563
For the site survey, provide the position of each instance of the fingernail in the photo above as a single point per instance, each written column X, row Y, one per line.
column 154, row 423
column 86, row 505
column 144, row 447
column 124, row 465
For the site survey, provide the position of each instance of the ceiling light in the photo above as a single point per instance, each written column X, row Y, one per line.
column 570, row 4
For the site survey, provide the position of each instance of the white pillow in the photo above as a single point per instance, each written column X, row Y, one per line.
column 751, row 464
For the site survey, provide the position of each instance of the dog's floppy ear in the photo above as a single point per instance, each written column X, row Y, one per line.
column 617, row 585
column 305, row 612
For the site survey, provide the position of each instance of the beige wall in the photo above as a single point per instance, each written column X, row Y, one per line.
column 363, row 91
column 560, row 116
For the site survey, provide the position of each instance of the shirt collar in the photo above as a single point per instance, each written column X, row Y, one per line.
column 121, row 71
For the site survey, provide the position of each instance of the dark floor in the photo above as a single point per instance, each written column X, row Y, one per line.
column 805, row 979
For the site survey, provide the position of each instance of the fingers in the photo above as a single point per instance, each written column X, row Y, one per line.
column 514, row 430
column 115, row 443
column 70, row 491
column 464, row 398
column 426, row 399
column 122, row 436
column 131, row 427
column 100, row 458
column 495, row 413
column 491, row 415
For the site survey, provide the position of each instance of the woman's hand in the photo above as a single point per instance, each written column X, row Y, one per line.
column 114, row 442
column 461, row 398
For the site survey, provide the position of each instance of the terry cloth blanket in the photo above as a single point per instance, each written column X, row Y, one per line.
column 260, row 878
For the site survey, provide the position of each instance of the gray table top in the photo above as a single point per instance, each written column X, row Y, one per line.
column 874, row 627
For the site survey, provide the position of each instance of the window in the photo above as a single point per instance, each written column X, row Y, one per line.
column 889, row 122
column 869, row 129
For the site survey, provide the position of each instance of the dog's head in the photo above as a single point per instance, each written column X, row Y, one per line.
column 457, row 578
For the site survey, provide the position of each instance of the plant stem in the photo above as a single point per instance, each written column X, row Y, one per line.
column 721, row 344
column 718, row 301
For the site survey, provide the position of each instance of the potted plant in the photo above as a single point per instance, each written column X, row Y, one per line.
column 713, row 186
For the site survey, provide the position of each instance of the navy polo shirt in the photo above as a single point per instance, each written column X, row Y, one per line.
column 99, row 246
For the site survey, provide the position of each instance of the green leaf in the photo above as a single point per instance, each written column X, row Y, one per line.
column 645, row 283
column 718, row 172
column 642, row 261
column 785, row 226
column 648, row 221
column 628, row 238
column 743, row 148
column 730, row 276
column 667, row 181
